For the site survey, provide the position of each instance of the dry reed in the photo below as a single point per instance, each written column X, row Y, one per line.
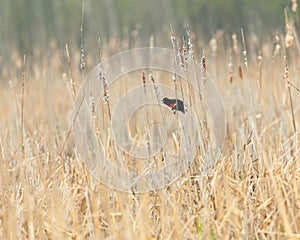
column 253, row 192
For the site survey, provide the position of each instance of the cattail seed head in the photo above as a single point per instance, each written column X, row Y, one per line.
column 157, row 91
column 289, row 38
column 190, row 49
column 240, row 72
column 144, row 80
column 82, row 60
column 105, row 87
column 276, row 46
column 230, row 66
column 174, row 78
column 92, row 105
column 144, row 77
column 294, row 6
column 203, row 69
column 230, row 69
column 213, row 46
column 286, row 69
column 151, row 41
column 244, row 49
column 235, row 43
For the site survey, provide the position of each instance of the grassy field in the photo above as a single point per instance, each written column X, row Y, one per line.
column 252, row 192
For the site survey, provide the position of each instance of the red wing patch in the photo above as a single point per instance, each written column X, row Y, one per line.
column 175, row 105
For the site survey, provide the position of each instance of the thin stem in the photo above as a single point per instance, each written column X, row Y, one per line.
column 22, row 106
column 72, row 82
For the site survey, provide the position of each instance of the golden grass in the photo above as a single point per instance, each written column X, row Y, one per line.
column 252, row 193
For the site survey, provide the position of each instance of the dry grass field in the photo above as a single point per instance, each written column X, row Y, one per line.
column 252, row 192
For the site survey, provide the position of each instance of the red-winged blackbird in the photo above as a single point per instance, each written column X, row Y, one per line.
column 172, row 104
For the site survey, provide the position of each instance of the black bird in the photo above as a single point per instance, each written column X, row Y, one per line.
column 172, row 104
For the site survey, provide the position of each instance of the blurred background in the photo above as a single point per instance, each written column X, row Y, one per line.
column 25, row 24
